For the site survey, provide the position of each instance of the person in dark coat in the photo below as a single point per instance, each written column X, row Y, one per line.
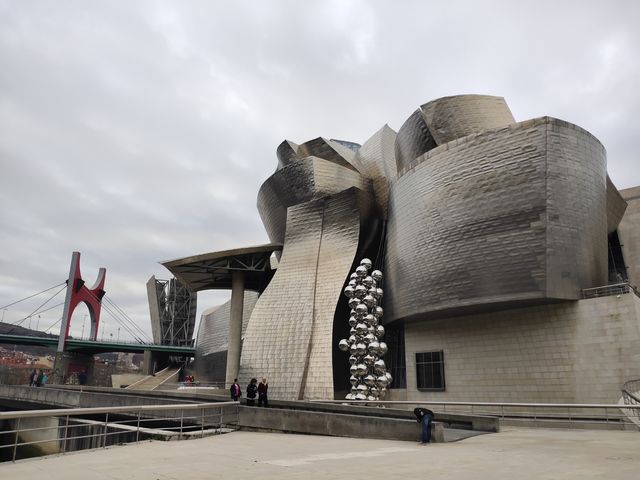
column 32, row 378
column 235, row 390
column 252, row 389
column 424, row 417
column 262, row 393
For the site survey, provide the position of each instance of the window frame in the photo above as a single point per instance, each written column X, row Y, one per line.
column 440, row 363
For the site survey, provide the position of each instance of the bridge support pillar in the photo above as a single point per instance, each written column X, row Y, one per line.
column 154, row 362
column 235, row 327
column 69, row 364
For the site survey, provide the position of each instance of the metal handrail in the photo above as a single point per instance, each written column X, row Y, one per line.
column 583, row 413
column 210, row 414
column 608, row 290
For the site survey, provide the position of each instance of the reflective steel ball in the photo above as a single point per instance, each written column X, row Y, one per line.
column 362, row 388
column 353, row 359
column 365, row 262
column 380, row 331
column 382, row 381
column 353, row 380
column 353, row 369
column 370, row 380
column 360, row 291
column 373, row 347
column 368, row 281
column 362, row 308
column 383, row 349
column 361, row 329
column 379, row 312
column 369, row 319
column 360, row 348
column 369, row 300
column 343, row 345
column 376, row 275
column 380, row 292
column 353, row 349
column 353, row 321
column 361, row 369
column 354, row 302
column 379, row 366
column 361, row 396
column 349, row 291
column 361, row 271
column 368, row 338
column 368, row 359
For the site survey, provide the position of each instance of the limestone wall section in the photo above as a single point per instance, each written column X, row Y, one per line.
column 571, row 352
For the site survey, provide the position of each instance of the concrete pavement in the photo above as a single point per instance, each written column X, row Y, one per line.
column 514, row 453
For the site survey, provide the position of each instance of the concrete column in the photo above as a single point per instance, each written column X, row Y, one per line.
column 235, row 326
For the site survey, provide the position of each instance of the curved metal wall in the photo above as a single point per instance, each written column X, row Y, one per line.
column 289, row 337
column 509, row 215
column 446, row 119
column 300, row 181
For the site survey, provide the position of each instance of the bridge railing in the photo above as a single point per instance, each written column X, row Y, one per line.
column 589, row 415
column 71, row 429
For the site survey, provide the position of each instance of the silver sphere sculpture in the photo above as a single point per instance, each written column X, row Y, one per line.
column 368, row 373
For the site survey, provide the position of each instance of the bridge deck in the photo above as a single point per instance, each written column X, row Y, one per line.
column 89, row 346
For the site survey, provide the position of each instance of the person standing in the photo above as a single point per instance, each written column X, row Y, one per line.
column 45, row 379
column 262, row 393
column 424, row 417
column 39, row 379
column 236, row 392
column 32, row 379
column 252, row 388
column 82, row 379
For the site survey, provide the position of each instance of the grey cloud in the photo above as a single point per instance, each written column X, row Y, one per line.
column 138, row 132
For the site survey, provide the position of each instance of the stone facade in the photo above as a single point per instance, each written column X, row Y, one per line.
column 571, row 352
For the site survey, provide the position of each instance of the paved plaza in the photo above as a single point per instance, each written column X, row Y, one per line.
column 514, row 453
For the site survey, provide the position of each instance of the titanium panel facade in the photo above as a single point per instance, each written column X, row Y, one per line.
column 509, row 215
column 446, row 119
column 290, row 334
column 301, row 181
column 629, row 233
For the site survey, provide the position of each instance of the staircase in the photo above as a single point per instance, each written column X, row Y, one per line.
column 151, row 382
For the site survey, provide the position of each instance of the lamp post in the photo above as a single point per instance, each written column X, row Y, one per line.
column 84, row 319
column 118, row 338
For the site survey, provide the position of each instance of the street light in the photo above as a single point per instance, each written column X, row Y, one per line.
column 118, row 339
column 84, row 319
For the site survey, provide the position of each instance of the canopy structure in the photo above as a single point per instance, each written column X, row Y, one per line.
column 213, row 271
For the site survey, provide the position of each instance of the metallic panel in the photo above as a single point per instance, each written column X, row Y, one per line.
column 446, row 119
column 213, row 331
column 377, row 157
column 616, row 206
column 450, row 118
column 298, row 182
column 289, row 337
column 629, row 233
column 509, row 215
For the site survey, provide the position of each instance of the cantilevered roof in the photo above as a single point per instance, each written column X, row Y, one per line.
column 212, row 271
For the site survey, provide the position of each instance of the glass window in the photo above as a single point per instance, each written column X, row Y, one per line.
column 430, row 371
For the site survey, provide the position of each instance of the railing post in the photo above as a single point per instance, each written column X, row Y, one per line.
column 66, row 434
column 202, row 424
column 181, row 420
column 138, row 428
column 220, row 424
column 15, row 441
column 106, row 420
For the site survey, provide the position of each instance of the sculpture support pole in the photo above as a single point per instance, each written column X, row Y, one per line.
column 235, row 326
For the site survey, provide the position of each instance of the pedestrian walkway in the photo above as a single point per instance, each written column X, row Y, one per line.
column 515, row 453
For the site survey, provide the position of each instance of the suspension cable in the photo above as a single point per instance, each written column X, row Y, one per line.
column 124, row 314
column 37, row 310
column 30, row 296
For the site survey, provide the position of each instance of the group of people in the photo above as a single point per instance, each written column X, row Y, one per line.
column 254, row 388
column 38, row 379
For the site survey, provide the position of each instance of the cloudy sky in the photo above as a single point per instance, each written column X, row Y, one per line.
column 140, row 131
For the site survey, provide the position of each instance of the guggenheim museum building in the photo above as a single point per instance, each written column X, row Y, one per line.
column 509, row 258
